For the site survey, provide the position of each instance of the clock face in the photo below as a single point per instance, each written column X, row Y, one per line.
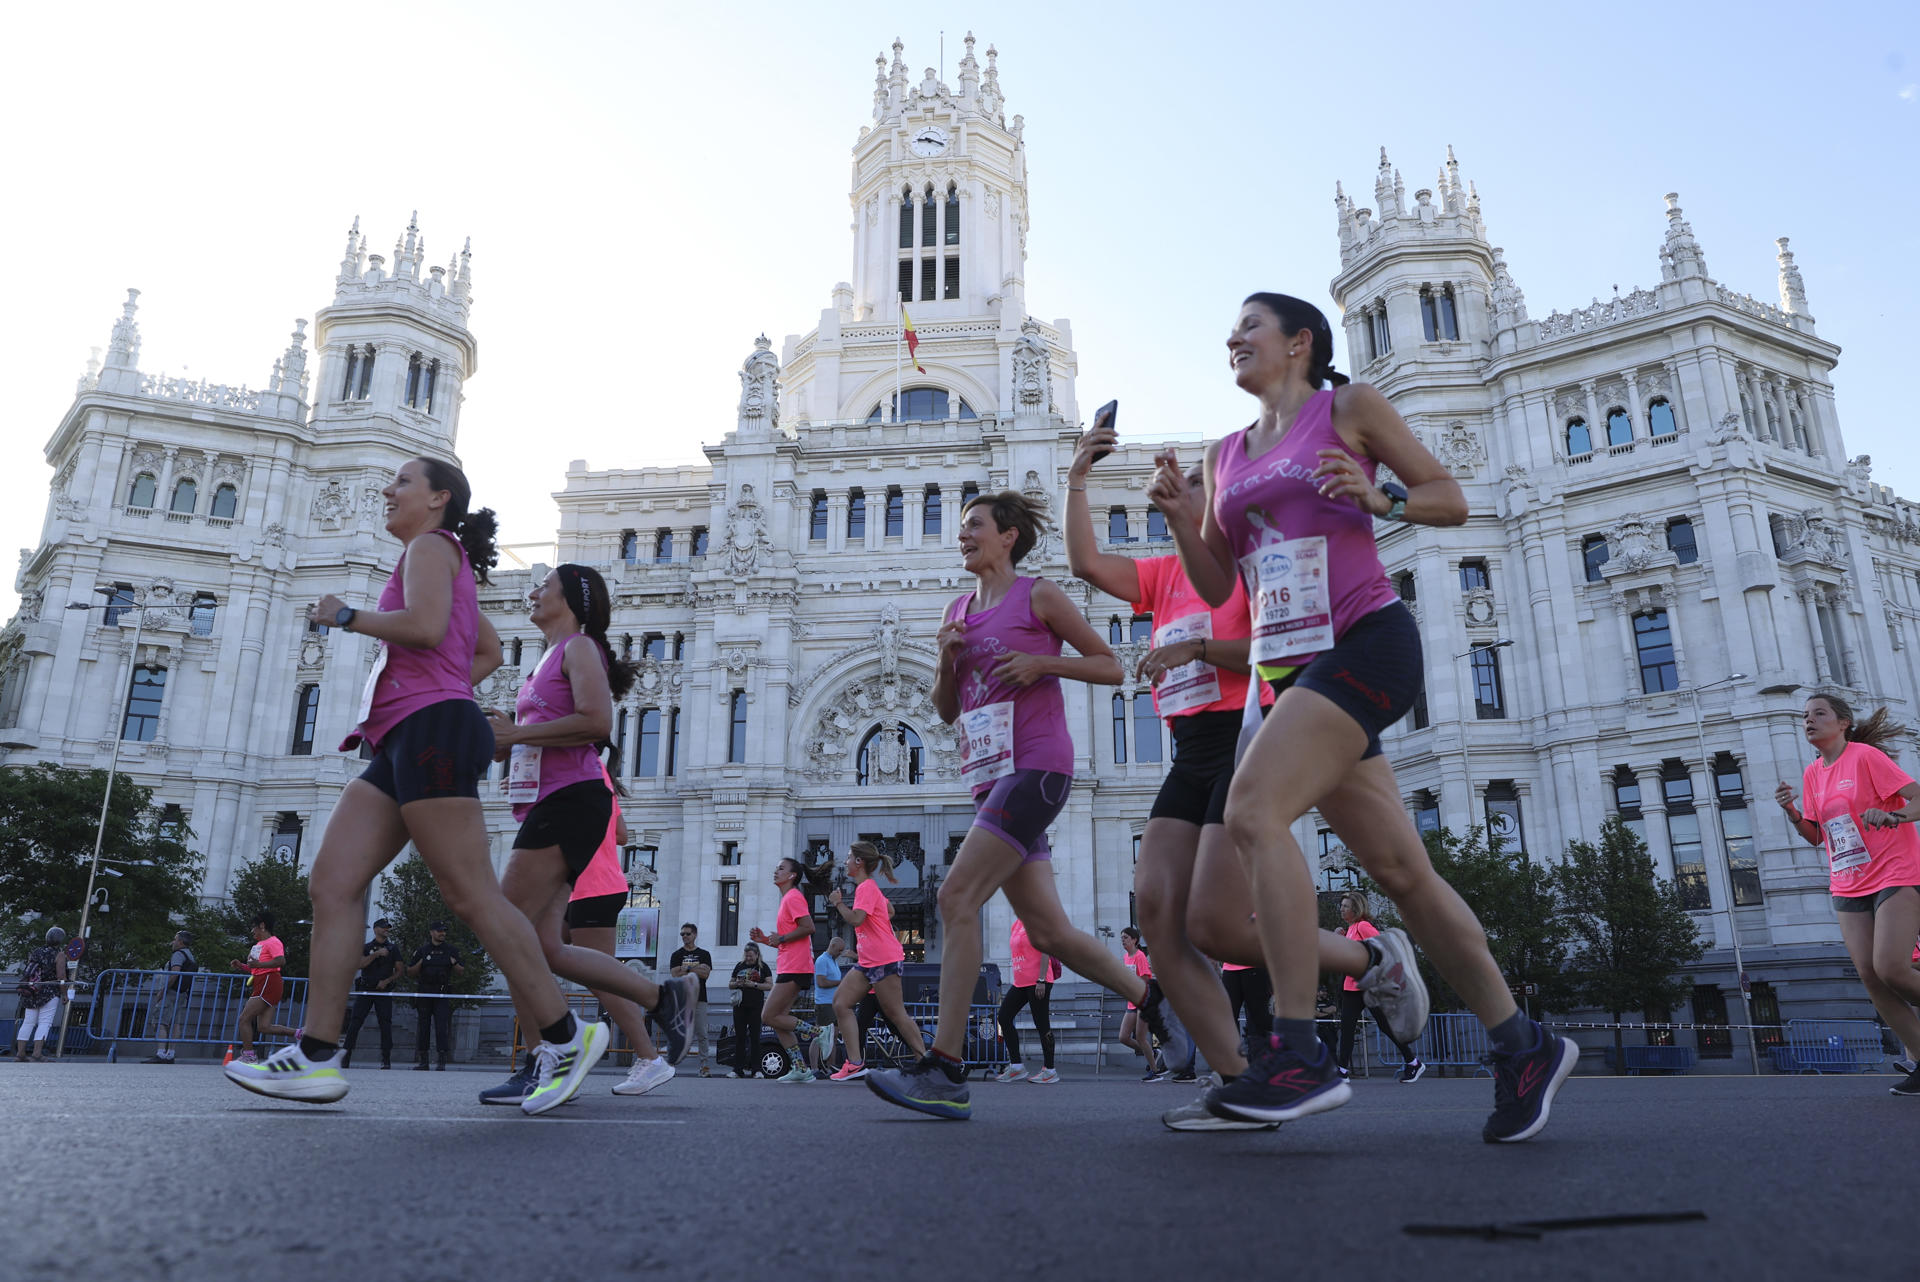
column 930, row 141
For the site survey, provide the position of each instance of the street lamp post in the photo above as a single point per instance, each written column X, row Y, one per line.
column 1466, row 750
column 106, row 800
column 1718, row 862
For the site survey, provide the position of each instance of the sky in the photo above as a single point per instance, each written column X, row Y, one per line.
column 648, row 187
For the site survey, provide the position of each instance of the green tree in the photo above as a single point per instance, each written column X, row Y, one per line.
column 410, row 899
column 279, row 887
column 49, row 815
column 1631, row 934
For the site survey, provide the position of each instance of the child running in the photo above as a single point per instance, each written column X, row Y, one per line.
column 1033, row 976
column 879, row 958
column 998, row 680
column 431, row 746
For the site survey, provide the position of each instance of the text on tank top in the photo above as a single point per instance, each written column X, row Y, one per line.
column 1002, row 727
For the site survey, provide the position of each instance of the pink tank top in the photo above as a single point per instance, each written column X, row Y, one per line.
column 548, row 696
column 411, row 678
column 602, row 875
column 1040, row 738
column 1258, row 502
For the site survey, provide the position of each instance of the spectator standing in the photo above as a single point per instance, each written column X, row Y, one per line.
column 379, row 971
column 40, row 980
column 176, row 992
column 691, row 959
column 827, row 974
column 436, row 964
column 750, row 984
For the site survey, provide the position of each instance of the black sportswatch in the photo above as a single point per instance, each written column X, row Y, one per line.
column 344, row 617
column 1396, row 502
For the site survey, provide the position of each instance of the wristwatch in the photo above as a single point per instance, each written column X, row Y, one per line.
column 343, row 619
column 1396, row 502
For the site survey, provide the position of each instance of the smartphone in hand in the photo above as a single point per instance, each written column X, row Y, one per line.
column 1106, row 417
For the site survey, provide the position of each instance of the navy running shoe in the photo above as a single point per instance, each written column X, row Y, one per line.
column 679, row 1002
column 1282, row 1086
column 925, row 1088
column 1524, row 1086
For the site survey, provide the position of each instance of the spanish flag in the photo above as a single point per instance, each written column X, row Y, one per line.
column 913, row 339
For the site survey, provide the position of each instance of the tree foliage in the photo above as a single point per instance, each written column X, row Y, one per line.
column 277, row 886
column 49, row 815
column 410, row 899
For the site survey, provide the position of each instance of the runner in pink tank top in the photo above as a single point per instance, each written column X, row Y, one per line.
column 431, row 747
column 998, row 684
column 564, row 800
column 879, row 958
column 1292, row 502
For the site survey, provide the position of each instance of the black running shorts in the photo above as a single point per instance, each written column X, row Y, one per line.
column 574, row 818
column 1195, row 790
column 443, row 750
column 1373, row 672
column 596, row 912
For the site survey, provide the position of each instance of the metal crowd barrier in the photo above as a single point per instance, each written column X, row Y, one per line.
column 131, row 1006
column 1452, row 1040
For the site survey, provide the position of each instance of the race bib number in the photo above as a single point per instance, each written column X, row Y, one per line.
column 523, row 775
column 373, row 682
column 1290, row 595
column 1846, row 849
column 986, row 743
column 1191, row 685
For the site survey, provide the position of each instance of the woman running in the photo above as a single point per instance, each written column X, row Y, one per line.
column 1355, row 911
column 793, row 962
column 1133, row 1029
column 1291, row 505
column 1033, row 976
column 750, row 981
column 563, row 797
column 431, row 747
column 265, row 987
column 1000, row 669
column 1858, row 801
column 878, row 960
column 1188, row 881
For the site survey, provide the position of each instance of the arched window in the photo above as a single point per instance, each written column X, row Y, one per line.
column 1680, row 539
column 950, row 268
column 923, row 405
column 1579, row 439
column 226, row 501
column 1660, row 421
column 953, row 214
column 1116, row 632
column 889, row 753
column 142, row 493
column 1449, row 315
column 906, row 224
column 422, row 374
column 185, row 495
column 929, row 218
column 359, row 380
column 1379, row 336
column 1619, row 427
column 200, row 616
column 1429, row 315
column 1595, row 553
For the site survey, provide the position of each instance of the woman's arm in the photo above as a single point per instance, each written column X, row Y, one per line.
column 591, row 721
column 1095, row 663
column 1204, row 555
column 952, row 641
column 488, row 654
column 848, row 913
column 427, row 581
column 1880, row 817
column 1113, row 574
column 1799, row 822
column 1367, row 420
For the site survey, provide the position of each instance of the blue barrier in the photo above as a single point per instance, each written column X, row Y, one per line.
column 1830, row 1046
column 198, row 1009
column 1654, row 1059
column 1450, row 1041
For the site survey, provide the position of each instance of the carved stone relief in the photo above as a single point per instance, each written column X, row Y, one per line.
column 1032, row 370
column 747, row 537
column 333, row 504
column 1459, row 450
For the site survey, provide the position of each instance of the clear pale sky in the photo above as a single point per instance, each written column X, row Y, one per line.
column 648, row 187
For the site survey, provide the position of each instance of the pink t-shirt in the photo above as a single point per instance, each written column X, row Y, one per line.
column 796, row 955
column 1030, row 965
column 873, row 938
column 1166, row 594
column 1138, row 963
column 1861, row 860
column 265, row 951
column 602, row 875
column 1359, row 930
column 1233, row 966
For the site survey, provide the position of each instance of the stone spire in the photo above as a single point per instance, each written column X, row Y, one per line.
column 1680, row 254
column 123, row 349
column 409, row 250
column 897, row 74
column 991, row 99
column 90, row 379
column 760, row 390
column 353, row 263
column 1509, row 303
column 1793, row 290
column 880, row 86
column 1343, row 214
column 1383, row 187
column 463, row 276
column 969, row 73
column 1453, row 182
column 293, row 365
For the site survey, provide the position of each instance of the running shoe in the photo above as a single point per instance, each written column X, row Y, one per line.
column 674, row 1013
column 287, row 1074
column 1281, row 1085
column 246, row 1057
column 1412, row 1073
column 644, row 1076
column 1154, row 1008
column 1394, row 989
column 798, row 1073
column 849, row 1072
column 924, row 1088
column 1907, row 1065
column 1198, row 1117
column 560, row 1071
column 1045, row 1077
column 1015, row 1072
column 1909, row 1087
column 1524, row 1086
column 158, row 1059
column 1184, row 1076
column 515, row 1088
column 1152, row 1075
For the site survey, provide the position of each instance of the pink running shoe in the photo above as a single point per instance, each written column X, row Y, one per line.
column 849, row 1072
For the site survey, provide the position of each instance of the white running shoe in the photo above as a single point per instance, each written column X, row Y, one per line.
column 560, row 1071
column 1394, row 989
column 1014, row 1072
column 645, row 1075
column 1045, row 1077
column 1197, row 1117
column 287, row 1074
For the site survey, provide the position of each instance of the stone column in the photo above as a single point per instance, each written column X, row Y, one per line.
column 915, row 506
column 1636, row 412
column 1596, row 426
column 1822, row 663
column 836, row 520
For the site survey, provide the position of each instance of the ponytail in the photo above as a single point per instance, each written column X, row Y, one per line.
column 870, row 858
column 1296, row 314
column 1879, row 731
column 587, row 596
column 475, row 530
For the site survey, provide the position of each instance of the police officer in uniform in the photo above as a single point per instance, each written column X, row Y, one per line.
column 436, row 964
column 379, row 972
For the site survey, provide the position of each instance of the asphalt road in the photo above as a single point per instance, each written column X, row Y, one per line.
column 132, row 1172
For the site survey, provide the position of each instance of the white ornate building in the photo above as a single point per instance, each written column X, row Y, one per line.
column 1660, row 494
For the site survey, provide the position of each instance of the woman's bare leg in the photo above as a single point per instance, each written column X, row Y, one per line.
column 362, row 837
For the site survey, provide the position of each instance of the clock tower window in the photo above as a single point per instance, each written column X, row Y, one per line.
column 906, row 218
column 953, row 214
column 929, row 217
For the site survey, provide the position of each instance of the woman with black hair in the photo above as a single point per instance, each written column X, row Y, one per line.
column 749, row 984
column 563, row 797
column 431, row 746
column 793, row 963
column 878, row 963
column 1291, row 507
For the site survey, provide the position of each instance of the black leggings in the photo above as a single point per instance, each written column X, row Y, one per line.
column 1253, row 991
column 1039, row 996
column 1351, row 1005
